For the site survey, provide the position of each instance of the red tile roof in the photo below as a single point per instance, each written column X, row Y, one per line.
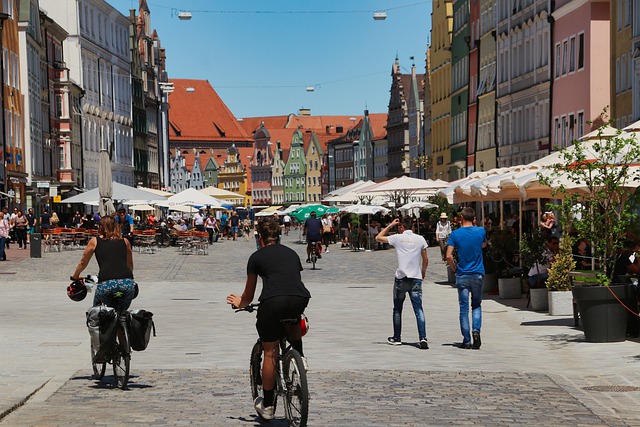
column 201, row 115
column 378, row 124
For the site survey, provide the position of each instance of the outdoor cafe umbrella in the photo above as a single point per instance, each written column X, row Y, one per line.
column 120, row 192
column 304, row 212
column 105, row 186
column 191, row 197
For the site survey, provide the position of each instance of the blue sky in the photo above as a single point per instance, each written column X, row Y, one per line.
column 262, row 60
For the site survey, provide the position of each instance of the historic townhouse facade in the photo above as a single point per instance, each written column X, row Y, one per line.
column 180, row 175
column 485, row 145
column 341, row 161
column 233, row 174
column 622, row 60
column 474, row 80
column 65, row 116
column 398, row 123
column 13, row 149
column 261, row 164
column 98, row 58
column 459, row 89
column 635, row 27
column 524, row 81
column 277, row 175
column 581, row 79
column 314, row 155
column 415, row 108
column 295, row 171
column 426, row 169
column 40, row 163
column 140, row 148
column 152, row 75
column 439, row 63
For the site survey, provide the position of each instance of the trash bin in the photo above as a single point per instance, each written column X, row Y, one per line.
column 35, row 243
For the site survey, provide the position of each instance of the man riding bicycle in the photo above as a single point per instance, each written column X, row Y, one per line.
column 283, row 296
column 313, row 231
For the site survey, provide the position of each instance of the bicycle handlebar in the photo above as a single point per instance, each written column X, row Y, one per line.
column 250, row 308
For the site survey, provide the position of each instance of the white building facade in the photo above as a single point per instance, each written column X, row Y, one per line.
column 98, row 57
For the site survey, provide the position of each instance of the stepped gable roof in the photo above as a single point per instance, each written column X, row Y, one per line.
column 199, row 114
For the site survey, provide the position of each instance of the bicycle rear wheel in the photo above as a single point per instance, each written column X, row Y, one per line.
column 297, row 394
column 121, row 358
column 98, row 368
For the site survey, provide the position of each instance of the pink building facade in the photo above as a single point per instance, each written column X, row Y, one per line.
column 580, row 68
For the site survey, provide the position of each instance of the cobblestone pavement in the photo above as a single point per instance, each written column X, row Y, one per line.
column 533, row 369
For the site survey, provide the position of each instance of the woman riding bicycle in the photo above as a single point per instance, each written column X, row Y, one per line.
column 116, row 287
column 283, row 296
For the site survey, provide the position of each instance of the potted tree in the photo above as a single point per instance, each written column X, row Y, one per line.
column 597, row 182
column 559, row 282
column 532, row 253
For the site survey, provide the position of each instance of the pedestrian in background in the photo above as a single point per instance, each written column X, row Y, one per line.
column 468, row 241
column 411, row 250
column 4, row 235
column 443, row 229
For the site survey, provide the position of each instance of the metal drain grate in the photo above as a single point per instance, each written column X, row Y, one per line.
column 614, row 388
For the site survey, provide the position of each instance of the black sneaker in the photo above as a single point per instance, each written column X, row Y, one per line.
column 309, row 260
column 424, row 344
column 394, row 341
column 476, row 340
column 465, row 346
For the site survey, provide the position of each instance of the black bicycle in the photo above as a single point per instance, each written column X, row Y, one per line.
column 120, row 354
column 316, row 249
column 291, row 377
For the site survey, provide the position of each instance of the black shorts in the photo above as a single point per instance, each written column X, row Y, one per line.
column 273, row 310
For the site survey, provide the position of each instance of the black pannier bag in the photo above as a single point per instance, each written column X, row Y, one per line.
column 140, row 327
column 102, row 322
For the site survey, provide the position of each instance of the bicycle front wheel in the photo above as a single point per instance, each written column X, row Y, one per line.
column 121, row 358
column 297, row 393
column 255, row 370
column 98, row 368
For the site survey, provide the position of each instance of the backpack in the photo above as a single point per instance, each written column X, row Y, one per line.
column 102, row 322
column 140, row 327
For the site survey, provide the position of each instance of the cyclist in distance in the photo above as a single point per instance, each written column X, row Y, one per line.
column 283, row 296
column 115, row 262
column 313, row 231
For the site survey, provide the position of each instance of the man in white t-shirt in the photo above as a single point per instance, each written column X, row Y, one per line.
column 198, row 220
column 411, row 250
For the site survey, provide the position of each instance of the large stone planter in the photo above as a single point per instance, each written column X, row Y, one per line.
column 510, row 288
column 560, row 303
column 490, row 282
column 539, row 299
column 604, row 319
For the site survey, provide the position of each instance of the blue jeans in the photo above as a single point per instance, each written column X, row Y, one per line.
column 400, row 289
column 2, row 242
column 469, row 283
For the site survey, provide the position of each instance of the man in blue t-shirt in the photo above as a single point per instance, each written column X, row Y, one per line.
column 313, row 231
column 468, row 241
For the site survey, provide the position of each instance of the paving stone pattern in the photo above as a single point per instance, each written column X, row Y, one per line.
column 348, row 398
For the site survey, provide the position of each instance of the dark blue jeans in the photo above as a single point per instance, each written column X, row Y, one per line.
column 469, row 283
column 2, row 242
column 400, row 289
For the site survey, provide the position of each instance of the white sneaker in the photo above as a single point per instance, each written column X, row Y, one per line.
column 265, row 412
column 326, row 251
